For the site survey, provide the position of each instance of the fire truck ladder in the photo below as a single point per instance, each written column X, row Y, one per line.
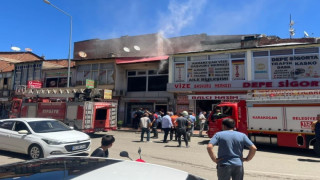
column 52, row 92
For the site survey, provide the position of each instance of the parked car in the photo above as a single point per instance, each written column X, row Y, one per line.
column 41, row 137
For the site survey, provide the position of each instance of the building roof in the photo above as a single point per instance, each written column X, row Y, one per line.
column 8, row 59
column 60, row 62
column 125, row 46
column 128, row 60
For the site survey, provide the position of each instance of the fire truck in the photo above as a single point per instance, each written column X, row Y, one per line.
column 83, row 109
column 281, row 118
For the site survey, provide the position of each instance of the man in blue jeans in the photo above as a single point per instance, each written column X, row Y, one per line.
column 230, row 151
column 166, row 125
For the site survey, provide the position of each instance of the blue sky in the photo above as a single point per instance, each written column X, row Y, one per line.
column 37, row 25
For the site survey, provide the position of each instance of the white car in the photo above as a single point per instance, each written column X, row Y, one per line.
column 41, row 137
column 84, row 168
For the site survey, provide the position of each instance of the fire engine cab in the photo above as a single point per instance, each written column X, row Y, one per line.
column 282, row 119
column 83, row 109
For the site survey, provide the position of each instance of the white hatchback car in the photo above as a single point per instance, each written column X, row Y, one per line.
column 41, row 137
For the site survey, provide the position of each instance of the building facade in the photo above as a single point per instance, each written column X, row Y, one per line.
column 200, row 80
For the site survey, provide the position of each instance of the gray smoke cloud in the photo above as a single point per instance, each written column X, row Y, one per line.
column 181, row 14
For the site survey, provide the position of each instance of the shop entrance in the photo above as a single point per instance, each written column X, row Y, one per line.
column 206, row 105
column 132, row 108
column 161, row 107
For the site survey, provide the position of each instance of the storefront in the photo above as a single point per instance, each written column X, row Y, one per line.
column 199, row 82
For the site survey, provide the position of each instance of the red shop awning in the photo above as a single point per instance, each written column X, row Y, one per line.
column 138, row 60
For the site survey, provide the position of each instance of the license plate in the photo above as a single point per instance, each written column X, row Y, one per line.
column 74, row 148
column 99, row 129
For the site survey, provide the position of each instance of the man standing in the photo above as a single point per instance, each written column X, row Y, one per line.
column 182, row 124
column 173, row 130
column 145, row 126
column 138, row 114
column 193, row 121
column 230, row 151
column 166, row 125
column 202, row 122
column 154, row 125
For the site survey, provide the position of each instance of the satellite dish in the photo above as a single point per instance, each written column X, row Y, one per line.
column 82, row 54
column 28, row 49
column 305, row 34
column 14, row 48
column 137, row 48
column 291, row 23
column 126, row 49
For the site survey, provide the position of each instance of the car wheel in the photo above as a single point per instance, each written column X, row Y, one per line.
column 35, row 151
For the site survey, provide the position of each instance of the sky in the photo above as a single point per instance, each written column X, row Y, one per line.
column 44, row 29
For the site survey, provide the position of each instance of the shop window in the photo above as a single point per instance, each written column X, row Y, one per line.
column 137, row 84
column 5, row 81
column 306, row 50
column 101, row 73
column 260, row 53
column 157, row 83
column 281, row 52
column 147, row 80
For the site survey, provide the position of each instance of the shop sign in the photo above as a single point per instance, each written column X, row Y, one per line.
column 34, row 84
column 303, row 66
column 182, row 99
column 244, row 85
column 107, row 94
column 89, row 83
column 216, row 97
column 261, row 68
column 238, row 70
column 275, row 93
column 180, row 72
column 217, row 70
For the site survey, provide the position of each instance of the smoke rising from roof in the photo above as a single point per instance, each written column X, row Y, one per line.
column 181, row 15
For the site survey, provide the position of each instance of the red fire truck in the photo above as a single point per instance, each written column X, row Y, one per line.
column 281, row 118
column 82, row 109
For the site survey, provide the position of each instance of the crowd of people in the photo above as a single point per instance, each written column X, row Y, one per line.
column 229, row 159
column 174, row 125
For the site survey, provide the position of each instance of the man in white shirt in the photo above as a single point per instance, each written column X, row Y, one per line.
column 202, row 122
column 145, row 125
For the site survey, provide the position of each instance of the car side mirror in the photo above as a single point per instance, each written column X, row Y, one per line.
column 124, row 154
column 23, row 132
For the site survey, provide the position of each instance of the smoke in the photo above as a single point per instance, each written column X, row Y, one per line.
column 181, row 14
column 163, row 66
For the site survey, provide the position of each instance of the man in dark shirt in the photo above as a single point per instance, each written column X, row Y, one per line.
column 182, row 124
column 315, row 126
column 106, row 143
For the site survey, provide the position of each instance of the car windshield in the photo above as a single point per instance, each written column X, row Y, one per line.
column 48, row 126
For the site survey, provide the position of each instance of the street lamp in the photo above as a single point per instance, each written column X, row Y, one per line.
column 70, row 38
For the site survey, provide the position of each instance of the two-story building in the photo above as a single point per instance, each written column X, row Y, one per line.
column 135, row 68
column 7, row 66
column 200, row 80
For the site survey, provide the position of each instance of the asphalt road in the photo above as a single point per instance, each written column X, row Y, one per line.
column 269, row 163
